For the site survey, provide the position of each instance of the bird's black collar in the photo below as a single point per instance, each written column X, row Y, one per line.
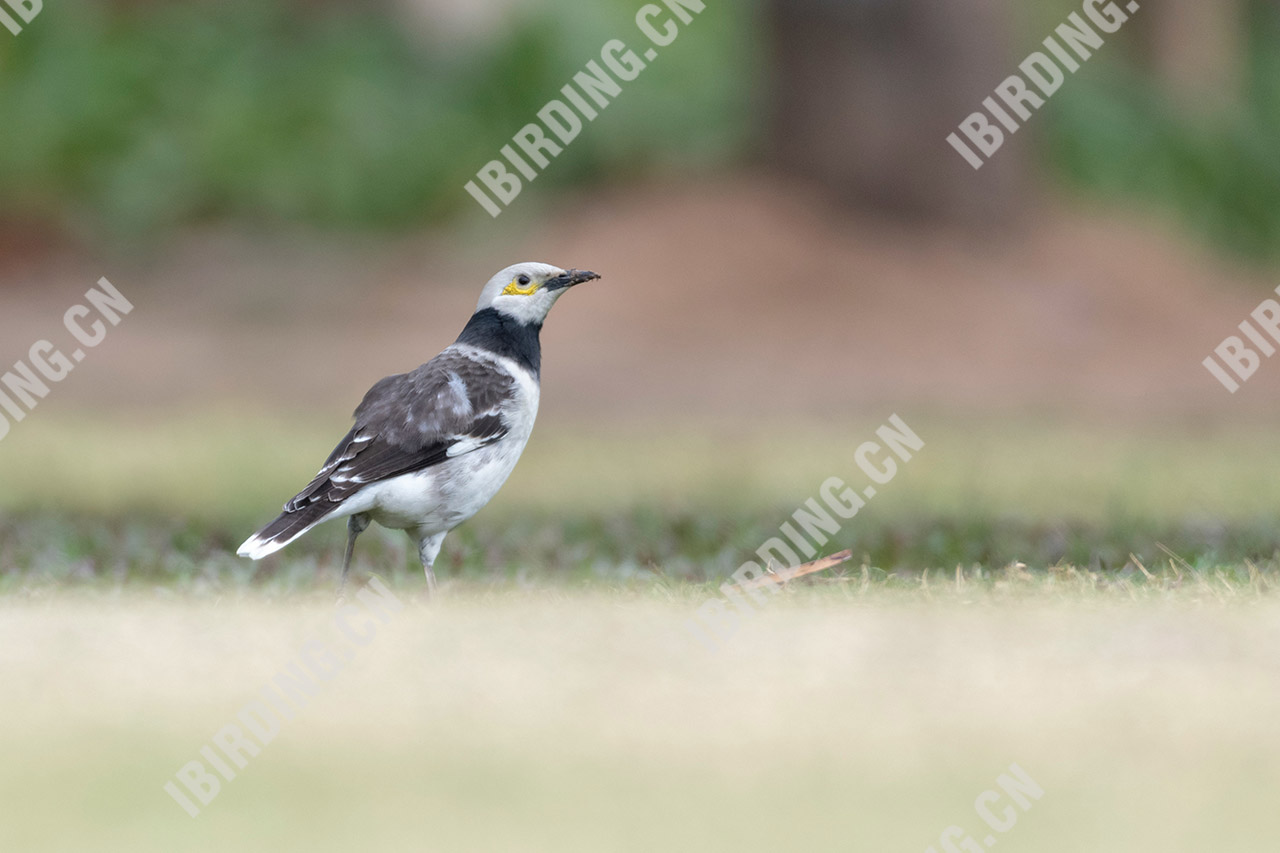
column 502, row 335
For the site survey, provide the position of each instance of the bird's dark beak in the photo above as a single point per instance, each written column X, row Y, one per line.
column 569, row 279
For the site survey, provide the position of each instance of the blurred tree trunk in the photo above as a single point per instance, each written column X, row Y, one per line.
column 1196, row 47
column 865, row 93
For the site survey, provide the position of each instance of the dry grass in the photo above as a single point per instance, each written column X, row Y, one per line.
column 546, row 719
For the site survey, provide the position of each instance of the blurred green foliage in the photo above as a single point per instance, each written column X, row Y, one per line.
column 127, row 121
column 1217, row 167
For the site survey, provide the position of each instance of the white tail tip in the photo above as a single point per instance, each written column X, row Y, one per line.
column 256, row 549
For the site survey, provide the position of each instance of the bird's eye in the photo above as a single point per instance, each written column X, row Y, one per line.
column 524, row 280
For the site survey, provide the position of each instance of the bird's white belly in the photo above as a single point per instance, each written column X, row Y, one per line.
column 444, row 496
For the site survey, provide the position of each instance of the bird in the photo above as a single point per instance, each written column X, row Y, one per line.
column 431, row 447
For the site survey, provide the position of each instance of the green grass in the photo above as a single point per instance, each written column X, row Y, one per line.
column 117, row 502
column 635, row 549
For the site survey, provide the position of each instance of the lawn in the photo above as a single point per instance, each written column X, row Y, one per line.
column 110, row 501
column 1092, row 605
column 842, row 717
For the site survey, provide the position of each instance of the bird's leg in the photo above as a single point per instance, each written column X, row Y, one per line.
column 356, row 525
column 428, row 550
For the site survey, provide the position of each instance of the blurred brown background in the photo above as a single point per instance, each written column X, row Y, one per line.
column 784, row 232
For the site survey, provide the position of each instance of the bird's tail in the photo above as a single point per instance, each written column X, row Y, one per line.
column 279, row 533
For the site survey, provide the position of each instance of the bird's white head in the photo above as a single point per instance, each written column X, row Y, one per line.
column 526, row 292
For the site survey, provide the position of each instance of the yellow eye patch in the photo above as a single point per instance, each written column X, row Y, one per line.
column 514, row 289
